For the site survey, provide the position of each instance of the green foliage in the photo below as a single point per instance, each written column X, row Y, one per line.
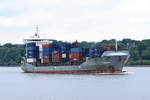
column 10, row 54
column 146, row 53
column 134, row 53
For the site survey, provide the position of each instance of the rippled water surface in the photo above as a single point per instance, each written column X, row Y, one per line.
column 15, row 85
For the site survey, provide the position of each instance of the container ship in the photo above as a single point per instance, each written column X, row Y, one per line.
column 45, row 55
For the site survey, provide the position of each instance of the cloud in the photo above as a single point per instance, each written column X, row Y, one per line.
column 76, row 19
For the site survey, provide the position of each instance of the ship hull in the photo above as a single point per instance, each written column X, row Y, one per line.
column 105, row 64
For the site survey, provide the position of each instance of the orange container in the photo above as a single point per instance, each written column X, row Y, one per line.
column 47, row 45
column 76, row 57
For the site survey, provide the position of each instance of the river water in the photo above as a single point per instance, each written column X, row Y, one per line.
column 16, row 85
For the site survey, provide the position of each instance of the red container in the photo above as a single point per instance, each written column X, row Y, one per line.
column 47, row 46
column 107, row 48
column 58, row 56
column 46, row 60
column 56, row 60
column 76, row 57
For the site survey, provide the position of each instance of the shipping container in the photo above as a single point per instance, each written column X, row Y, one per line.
column 56, row 60
column 76, row 57
column 74, row 45
column 47, row 46
column 56, row 57
column 31, row 60
column 95, row 52
column 61, row 46
column 33, row 54
column 47, row 51
column 86, row 52
column 65, row 57
column 47, row 56
column 31, row 44
column 56, row 52
column 65, row 51
column 45, row 61
column 76, row 50
column 32, row 48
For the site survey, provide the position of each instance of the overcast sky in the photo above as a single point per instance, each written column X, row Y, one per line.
column 69, row 20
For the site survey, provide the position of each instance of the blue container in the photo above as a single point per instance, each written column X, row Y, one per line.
column 75, row 50
column 74, row 45
column 56, row 52
column 85, row 52
column 31, row 44
column 95, row 52
column 32, row 54
column 46, row 57
column 65, row 51
column 32, row 48
column 47, row 51
column 65, row 59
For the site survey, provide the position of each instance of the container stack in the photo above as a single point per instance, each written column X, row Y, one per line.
column 61, row 53
column 76, row 55
column 47, row 53
column 56, row 56
column 65, row 50
column 86, row 52
column 95, row 52
column 32, row 52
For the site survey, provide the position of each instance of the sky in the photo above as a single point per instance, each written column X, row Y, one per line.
column 70, row 20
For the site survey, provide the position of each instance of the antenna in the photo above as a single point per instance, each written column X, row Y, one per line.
column 37, row 29
column 36, row 35
column 116, row 45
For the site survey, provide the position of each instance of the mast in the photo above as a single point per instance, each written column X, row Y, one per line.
column 37, row 29
column 116, row 45
column 36, row 35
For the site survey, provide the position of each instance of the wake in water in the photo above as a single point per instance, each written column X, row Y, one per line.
column 117, row 73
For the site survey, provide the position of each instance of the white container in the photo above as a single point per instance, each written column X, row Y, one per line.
column 40, row 54
column 31, row 60
column 64, row 55
column 41, row 60
column 40, row 51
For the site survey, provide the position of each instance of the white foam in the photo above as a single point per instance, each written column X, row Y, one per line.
column 115, row 73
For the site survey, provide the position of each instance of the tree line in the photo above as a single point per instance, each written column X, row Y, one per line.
column 11, row 54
